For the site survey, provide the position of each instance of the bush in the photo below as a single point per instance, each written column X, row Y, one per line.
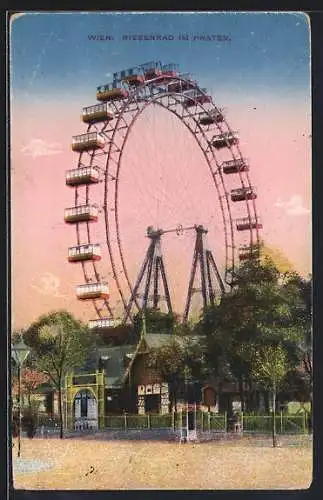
column 29, row 422
column 285, row 424
column 51, row 421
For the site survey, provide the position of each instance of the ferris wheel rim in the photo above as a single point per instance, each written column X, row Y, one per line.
column 133, row 97
column 156, row 100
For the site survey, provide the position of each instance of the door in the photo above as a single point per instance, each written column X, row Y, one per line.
column 85, row 405
column 152, row 403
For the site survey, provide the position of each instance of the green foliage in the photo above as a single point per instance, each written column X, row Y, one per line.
column 156, row 322
column 284, row 424
column 304, row 322
column 196, row 359
column 269, row 365
column 117, row 335
column 168, row 360
column 60, row 344
column 265, row 308
column 16, row 336
column 177, row 362
column 184, row 329
column 181, row 357
column 30, row 419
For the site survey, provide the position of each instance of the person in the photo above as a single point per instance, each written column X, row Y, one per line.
column 235, row 422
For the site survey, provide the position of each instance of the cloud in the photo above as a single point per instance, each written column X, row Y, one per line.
column 39, row 147
column 49, row 285
column 294, row 206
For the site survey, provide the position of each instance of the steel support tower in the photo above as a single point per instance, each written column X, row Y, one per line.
column 152, row 276
column 211, row 283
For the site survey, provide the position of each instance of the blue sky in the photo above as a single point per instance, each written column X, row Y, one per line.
column 51, row 52
column 261, row 78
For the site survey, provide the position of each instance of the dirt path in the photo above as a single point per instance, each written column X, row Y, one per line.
column 92, row 464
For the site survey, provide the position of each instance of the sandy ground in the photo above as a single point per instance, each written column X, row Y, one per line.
column 246, row 463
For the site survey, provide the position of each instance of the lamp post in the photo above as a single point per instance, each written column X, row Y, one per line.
column 102, row 362
column 190, row 397
column 103, row 359
column 19, row 353
column 186, row 397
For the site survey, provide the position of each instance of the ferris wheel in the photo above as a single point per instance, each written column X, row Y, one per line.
column 100, row 174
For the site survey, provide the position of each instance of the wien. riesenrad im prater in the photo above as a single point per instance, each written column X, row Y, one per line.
column 124, row 253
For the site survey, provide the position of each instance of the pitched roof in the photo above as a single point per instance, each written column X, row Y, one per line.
column 156, row 340
column 146, row 342
column 115, row 365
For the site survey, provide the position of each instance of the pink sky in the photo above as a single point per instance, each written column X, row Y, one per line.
column 274, row 136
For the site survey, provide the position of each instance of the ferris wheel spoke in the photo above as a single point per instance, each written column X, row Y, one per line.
column 140, row 188
column 159, row 201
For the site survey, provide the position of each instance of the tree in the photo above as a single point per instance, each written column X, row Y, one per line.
column 60, row 343
column 269, row 368
column 216, row 340
column 304, row 318
column 156, row 321
column 258, row 311
column 277, row 256
column 31, row 380
column 169, row 362
column 178, row 361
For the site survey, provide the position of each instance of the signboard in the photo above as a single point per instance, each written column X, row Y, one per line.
column 156, row 389
column 152, row 389
column 164, row 388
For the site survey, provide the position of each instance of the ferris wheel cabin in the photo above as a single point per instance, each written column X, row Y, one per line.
column 181, row 86
column 168, row 71
column 235, row 166
column 137, row 75
column 196, row 97
column 211, row 117
column 158, row 77
column 92, row 291
column 82, row 175
column 84, row 142
column 81, row 253
column 111, row 92
column 224, row 140
column 152, row 69
column 132, row 76
column 101, row 323
column 246, row 223
column 82, row 213
column 97, row 113
column 244, row 193
column 248, row 252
